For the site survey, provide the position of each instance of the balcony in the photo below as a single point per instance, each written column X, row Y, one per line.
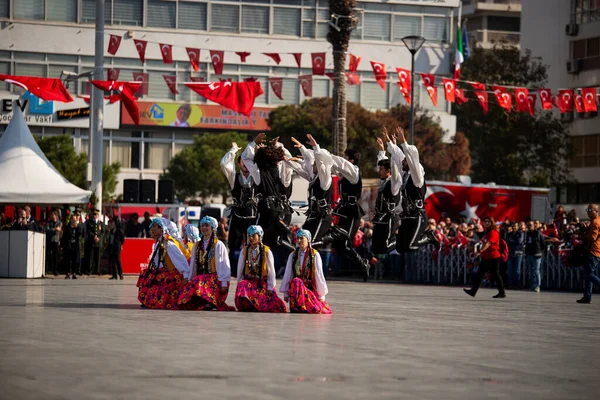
column 485, row 37
column 497, row 7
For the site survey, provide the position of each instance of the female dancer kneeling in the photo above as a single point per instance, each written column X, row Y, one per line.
column 256, row 276
column 160, row 284
column 303, row 284
column 209, row 273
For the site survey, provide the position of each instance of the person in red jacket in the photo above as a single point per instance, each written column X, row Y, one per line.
column 490, row 259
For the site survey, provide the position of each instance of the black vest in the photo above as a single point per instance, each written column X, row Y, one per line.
column 386, row 201
column 348, row 189
column 242, row 193
column 318, row 199
column 412, row 196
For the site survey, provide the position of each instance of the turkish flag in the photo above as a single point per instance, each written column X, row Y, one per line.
column 126, row 90
column 194, row 55
column 432, row 90
column 589, row 98
column 531, row 98
column 112, row 74
column 113, row 44
column 546, row 98
column 404, row 77
column 298, row 58
column 306, row 84
column 449, row 89
column 242, row 54
column 428, row 81
column 521, row 95
column 353, row 78
column 504, row 99
column 477, row 86
column 217, row 58
column 354, row 61
column 459, row 94
column 405, row 92
column 47, row 89
column 144, row 79
column 237, row 96
column 166, row 50
column 274, row 56
column 579, row 103
column 565, row 100
column 140, row 46
column 171, row 81
column 380, row 74
column 318, row 63
column 482, row 97
column 197, row 78
column 330, row 75
column 276, row 86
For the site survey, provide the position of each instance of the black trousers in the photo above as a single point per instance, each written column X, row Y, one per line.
column 384, row 235
column 237, row 230
column 273, row 225
column 411, row 229
column 71, row 260
column 51, row 257
column 341, row 236
column 115, row 261
column 493, row 266
column 92, row 257
column 318, row 224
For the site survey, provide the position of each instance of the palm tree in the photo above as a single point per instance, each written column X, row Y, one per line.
column 339, row 37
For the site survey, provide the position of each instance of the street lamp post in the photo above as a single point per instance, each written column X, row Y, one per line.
column 413, row 44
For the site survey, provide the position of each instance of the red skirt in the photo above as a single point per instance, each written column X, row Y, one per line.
column 250, row 297
column 304, row 300
column 203, row 292
column 160, row 288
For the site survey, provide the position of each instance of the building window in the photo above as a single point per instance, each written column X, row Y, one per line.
column 29, row 10
column 157, row 155
column 373, row 96
column 255, row 19
column 286, row 21
column 192, row 16
column 585, row 11
column 586, row 151
column 161, row 14
column 4, row 8
column 225, row 18
column 435, row 29
column 405, row 25
column 376, row 27
column 587, row 51
column 127, row 12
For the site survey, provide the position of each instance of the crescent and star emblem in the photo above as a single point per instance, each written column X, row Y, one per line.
column 318, row 61
column 448, row 86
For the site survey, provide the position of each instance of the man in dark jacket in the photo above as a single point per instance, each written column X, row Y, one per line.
column 94, row 233
column 534, row 249
column 516, row 247
column 53, row 228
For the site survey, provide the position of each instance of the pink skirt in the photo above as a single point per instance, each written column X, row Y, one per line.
column 203, row 293
column 304, row 300
column 161, row 289
column 249, row 297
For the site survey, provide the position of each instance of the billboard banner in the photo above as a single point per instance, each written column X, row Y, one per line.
column 184, row 115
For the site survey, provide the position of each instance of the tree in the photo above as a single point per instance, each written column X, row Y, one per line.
column 60, row 152
column 440, row 160
column 512, row 148
column 196, row 170
column 339, row 37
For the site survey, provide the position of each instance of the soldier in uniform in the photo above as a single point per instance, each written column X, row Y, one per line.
column 94, row 233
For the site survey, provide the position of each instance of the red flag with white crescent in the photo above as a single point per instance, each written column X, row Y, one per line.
column 274, row 56
column 113, row 44
column 531, row 98
column 354, row 61
column 243, row 55
column 589, row 98
column 579, row 103
column 140, row 46
column 545, row 98
column 47, row 89
column 482, row 98
column 380, row 74
column 194, row 55
column 298, row 58
column 276, row 86
column 404, row 77
column 112, row 74
column 405, row 92
column 330, row 75
column 237, row 96
column 306, row 84
column 353, row 78
column 521, row 95
column 171, row 81
column 477, row 86
column 216, row 58
column 565, row 100
column 125, row 90
column 428, row 81
column 504, row 99
column 166, row 50
column 449, row 89
column 459, row 95
column 318, row 63
column 143, row 78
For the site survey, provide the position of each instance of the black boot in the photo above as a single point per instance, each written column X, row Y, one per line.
column 428, row 237
column 285, row 244
column 470, row 292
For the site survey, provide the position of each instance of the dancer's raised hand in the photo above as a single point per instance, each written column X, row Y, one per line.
column 400, row 135
column 311, row 140
column 380, row 144
column 297, row 144
column 260, row 138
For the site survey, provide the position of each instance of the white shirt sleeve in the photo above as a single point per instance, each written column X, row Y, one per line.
column 381, row 156
column 222, row 263
column 287, row 277
column 271, row 281
column 240, row 267
column 248, row 159
column 286, row 173
column 323, row 170
column 339, row 165
column 298, row 168
column 178, row 259
column 192, row 272
column 320, row 284
column 396, row 165
column 228, row 165
column 416, row 169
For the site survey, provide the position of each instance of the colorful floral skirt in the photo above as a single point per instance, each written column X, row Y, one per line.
column 304, row 300
column 250, row 297
column 203, row 292
column 160, row 288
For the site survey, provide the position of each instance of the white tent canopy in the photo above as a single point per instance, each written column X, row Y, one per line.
column 26, row 175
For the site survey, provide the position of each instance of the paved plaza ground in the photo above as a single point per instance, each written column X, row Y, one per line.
column 89, row 339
